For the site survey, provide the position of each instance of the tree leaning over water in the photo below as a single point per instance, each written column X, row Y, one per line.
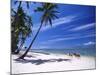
column 49, row 13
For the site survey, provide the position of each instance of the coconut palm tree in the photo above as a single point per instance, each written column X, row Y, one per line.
column 49, row 13
column 16, row 30
column 21, row 26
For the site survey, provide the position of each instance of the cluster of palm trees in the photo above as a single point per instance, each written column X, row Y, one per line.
column 21, row 27
column 22, row 24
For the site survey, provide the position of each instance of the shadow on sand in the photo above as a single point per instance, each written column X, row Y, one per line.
column 40, row 61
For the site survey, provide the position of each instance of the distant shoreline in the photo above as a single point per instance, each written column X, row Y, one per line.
column 59, row 51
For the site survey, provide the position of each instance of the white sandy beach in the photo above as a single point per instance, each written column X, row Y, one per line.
column 40, row 62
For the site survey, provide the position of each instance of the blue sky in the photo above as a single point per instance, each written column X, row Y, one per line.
column 75, row 27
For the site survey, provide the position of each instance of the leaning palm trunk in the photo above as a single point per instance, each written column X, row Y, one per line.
column 49, row 11
column 22, row 57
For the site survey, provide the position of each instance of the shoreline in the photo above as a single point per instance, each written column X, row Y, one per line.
column 57, row 53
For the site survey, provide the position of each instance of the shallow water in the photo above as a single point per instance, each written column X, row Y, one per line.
column 81, row 51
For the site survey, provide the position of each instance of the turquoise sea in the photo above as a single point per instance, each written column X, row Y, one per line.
column 87, row 51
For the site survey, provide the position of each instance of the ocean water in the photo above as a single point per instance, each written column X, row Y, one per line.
column 90, row 51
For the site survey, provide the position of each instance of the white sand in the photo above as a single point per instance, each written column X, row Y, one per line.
column 51, row 62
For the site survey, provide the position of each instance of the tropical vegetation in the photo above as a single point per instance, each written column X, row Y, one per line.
column 22, row 24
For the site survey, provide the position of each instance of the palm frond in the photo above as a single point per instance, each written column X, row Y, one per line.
column 13, row 11
column 54, row 11
column 52, row 6
column 50, row 21
column 27, row 3
column 15, row 2
column 39, row 9
column 54, row 16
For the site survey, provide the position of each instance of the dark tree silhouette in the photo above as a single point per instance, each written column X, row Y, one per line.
column 20, row 27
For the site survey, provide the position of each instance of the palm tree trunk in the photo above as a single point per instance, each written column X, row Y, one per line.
column 19, row 4
column 22, row 57
column 18, row 50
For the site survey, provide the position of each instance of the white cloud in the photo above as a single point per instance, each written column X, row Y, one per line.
column 68, row 38
column 56, row 22
column 83, row 27
column 41, row 46
column 89, row 43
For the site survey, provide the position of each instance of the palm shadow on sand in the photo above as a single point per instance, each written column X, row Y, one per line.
column 40, row 61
